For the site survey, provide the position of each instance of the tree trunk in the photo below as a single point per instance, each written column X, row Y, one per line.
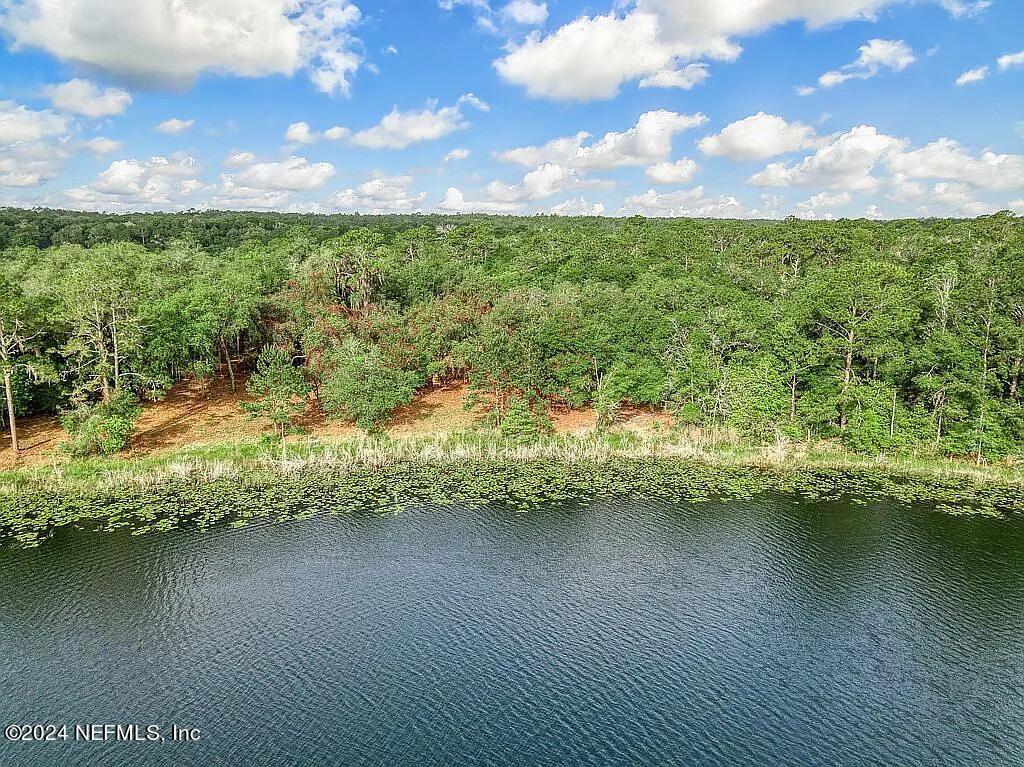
column 847, row 377
column 227, row 358
column 981, row 434
column 892, row 418
column 117, row 354
column 792, row 397
column 983, row 393
column 101, row 349
column 9, row 394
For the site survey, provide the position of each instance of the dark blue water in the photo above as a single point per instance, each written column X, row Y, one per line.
column 767, row 632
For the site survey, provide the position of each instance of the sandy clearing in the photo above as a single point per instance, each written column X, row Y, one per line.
column 195, row 414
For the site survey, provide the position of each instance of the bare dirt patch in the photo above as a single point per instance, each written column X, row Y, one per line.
column 195, row 414
column 37, row 436
column 436, row 409
column 190, row 414
column 572, row 421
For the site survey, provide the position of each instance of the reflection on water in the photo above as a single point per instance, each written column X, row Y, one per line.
column 740, row 633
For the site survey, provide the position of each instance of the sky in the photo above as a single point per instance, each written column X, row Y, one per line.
column 716, row 108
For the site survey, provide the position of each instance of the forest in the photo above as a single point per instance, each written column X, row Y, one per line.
column 879, row 336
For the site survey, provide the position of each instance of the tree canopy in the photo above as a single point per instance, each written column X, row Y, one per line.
column 879, row 335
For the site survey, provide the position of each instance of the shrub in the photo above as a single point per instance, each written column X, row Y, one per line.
column 756, row 399
column 521, row 424
column 875, row 426
column 359, row 385
column 104, row 428
column 280, row 389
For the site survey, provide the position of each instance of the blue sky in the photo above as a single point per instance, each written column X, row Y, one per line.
column 818, row 108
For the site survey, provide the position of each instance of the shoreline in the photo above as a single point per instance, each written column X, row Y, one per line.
column 238, row 481
column 237, row 458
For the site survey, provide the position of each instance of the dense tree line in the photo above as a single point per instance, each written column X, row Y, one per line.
column 212, row 230
column 882, row 336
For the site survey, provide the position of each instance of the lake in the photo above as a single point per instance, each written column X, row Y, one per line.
column 772, row 631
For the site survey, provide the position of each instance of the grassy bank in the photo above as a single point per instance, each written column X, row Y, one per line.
column 252, row 457
column 234, row 482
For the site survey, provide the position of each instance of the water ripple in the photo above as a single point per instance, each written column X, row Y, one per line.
column 767, row 631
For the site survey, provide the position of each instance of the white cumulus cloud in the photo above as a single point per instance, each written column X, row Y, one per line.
column 846, row 163
column 291, row 175
column 577, row 207
column 526, row 12
column 587, row 59
column 758, row 137
column 300, row 133
column 1011, row 60
column 455, row 202
column 688, row 202
column 646, row 143
column 594, row 55
column 972, row 76
column 269, row 185
column 875, row 55
column 159, row 183
column 86, row 98
column 685, row 78
column 547, row 180
column 398, row 129
column 381, row 194
column 680, row 172
column 337, row 133
column 19, row 123
column 32, row 163
column 957, row 199
column 949, row 160
column 101, row 145
column 239, row 159
column 171, row 42
column 174, row 126
column 822, row 205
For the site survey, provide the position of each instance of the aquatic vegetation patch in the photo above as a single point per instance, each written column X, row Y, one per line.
column 206, row 494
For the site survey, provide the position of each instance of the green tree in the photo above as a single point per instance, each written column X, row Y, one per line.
column 859, row 311
column 99, row 297
column 103, row 428
column 22, row 328
column 358, row 384
column 280, row 390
